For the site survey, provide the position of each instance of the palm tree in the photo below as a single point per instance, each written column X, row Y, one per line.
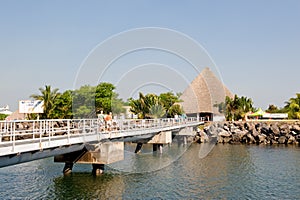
column 48, row 96
column 293, row 107
column 237, row 108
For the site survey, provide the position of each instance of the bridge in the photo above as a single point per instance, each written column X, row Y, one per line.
column 84, row 140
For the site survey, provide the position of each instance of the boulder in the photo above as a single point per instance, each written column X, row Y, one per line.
column 250, row 138
column 224, row 133
column 236, row 138
column 282, row 140
column 227, row 139
column 241, row 134
column 284, row 129
column 249, row 126
column 255, row 133
column 275, row 129
column 296, row 128
column 273, row 142
column 261, row 138
column 220, row 139
column 265, row 128
column 291, row 140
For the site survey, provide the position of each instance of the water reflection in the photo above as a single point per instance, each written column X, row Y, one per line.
column 228, row 172
column 87, row 186
column 149, row 161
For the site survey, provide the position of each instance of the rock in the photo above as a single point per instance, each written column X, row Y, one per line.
column 262, row 138
column 255, row 133
column 227, row 139
column 273, row 142
column 284, row 129
column 236, row 138
column 296, row 128
column 226, row 128
column 249, row 126
column 265, row 129
column 220, row 139
column 291, row 140
column 275, row 129
column 241, row 134
column 250, row 138
column 282, row 140
column 224, row 133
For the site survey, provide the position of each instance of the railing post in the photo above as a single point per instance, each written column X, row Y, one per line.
column 83, row 131
column 33, row 129
column 69, row 130
column 14, row 136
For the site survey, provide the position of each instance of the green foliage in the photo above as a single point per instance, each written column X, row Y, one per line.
column 175, row 109
column 49, row 97
column 3, row 116
column 273, row 109
column 236, row 108
column 63, row 105
column 153, row 106
column 156, row 111
column 84, row 102
column 293, row 107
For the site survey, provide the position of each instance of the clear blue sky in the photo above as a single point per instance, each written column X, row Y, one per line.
column 255, row 44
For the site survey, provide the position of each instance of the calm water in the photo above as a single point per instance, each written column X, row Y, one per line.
column 228, row 172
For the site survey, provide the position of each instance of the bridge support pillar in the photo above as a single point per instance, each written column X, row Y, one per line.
column 158, row 147
column 68, row 168
column 164, row 137
column 98, row 169
column 96, row 154
column 138, row 148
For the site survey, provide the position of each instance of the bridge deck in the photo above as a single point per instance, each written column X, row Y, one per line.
column 17, row 137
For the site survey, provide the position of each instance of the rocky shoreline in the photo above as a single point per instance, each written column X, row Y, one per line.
column 251, row 132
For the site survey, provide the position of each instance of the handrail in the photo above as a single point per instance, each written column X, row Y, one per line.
column 13, row 133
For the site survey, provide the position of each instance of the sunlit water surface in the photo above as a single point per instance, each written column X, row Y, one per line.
column 228, row 172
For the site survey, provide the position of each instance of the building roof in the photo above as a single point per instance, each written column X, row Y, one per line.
column 203, row 93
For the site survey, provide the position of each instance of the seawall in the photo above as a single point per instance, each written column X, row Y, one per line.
column 252, row 132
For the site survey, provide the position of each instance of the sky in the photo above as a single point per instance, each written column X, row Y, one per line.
column 252, row 46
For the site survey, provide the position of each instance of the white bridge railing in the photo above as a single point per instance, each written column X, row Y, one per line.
column 28, row 135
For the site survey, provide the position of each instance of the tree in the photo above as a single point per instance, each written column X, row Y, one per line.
column 48, row 96
column 237, row 108
column 63, row 105
column 153, row 106
column 168, row 100
column 107, row 100
column 293, row 107
column 84, row 96
column 142, row 106
column 175, row 109
column 273, row 109
column 3, row 116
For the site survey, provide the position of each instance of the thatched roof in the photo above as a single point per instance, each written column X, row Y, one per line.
column 16, row 116
column 203, row 93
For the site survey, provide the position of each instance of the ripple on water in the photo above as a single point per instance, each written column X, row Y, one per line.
column 228, row 172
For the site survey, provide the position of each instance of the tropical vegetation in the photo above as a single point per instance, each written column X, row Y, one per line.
column 154, row 106
column 236, row 108
column 292, row 107
column 87, row 101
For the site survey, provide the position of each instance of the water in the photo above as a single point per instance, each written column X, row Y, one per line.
column 228, row 172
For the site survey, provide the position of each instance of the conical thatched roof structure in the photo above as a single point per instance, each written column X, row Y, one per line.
column 203, row 93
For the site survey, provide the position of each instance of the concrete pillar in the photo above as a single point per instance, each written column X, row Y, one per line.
column 68, row 168
column 158, row 148
column 98, row 169
column 138, row 148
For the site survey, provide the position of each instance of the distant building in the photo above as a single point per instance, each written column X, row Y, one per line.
column 203, row 94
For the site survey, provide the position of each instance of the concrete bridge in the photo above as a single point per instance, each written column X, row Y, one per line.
column 84, row 140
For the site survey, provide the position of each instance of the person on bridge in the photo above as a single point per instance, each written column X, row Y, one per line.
column 108, row 121
column 101, row 121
